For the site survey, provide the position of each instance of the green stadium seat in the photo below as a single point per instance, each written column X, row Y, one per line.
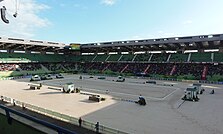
column 142, row 57
column 200, row 57
column 159, row 57
column 101, row 58
column 218, row 57
column 178, row 57
column 114, row 57
column 127, row 57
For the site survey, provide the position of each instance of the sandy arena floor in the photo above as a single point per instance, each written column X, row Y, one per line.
column 161, row 115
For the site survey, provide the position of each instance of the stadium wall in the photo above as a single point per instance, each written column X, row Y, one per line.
column 16, row 127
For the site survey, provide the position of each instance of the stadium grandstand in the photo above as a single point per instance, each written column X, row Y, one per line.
column 193, row 58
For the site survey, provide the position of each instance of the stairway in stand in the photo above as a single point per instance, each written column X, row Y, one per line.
column 146, row 70
column 106, row 67
column 173, row 70
column 204, row 73
column 90, row 66
column 124, row 68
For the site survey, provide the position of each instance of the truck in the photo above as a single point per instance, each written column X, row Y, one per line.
column 68, row 88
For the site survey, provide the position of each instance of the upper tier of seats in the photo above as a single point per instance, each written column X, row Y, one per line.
column 114, row 57
column 142, row 57
column 158, row 57
column 218, row 57
column 201, row 57
column 101, row 58
column 127, row 57
column 31, row 57
column 178, row 57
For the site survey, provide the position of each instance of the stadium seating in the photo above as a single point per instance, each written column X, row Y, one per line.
column 86, row 66
column 98, row 66
column 116, row 67
column 142, row 57
column 200, row 57
column 29, row 67
column 101, row 58
column 215, row 69
column 32, row 57
column 87, row 58
column 114, row 57
column 218, row 57
column 178, row 57
column 159, row 57
column 189, row 68
column 73, row 58
column 119, row 63
column 161, row 69
column 7, row 67
column 54, row 67
column 70, row 66
column 135, row 68
column 127, row 57
column 4, row 57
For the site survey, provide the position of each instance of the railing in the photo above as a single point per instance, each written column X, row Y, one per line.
column 63, row 117
column 189, row 81
column 16, row 77
column 167, row 79
column 210, row 82
column 58, row 129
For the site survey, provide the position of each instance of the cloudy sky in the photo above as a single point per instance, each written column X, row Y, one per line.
column 85, row 21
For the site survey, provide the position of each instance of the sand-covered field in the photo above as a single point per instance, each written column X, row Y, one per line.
column 161, row 115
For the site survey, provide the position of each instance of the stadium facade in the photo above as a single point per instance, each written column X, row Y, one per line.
column 193, row 57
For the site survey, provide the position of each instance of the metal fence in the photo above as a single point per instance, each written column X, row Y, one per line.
column 189, row 81
column 56, row 128
column 63, row 117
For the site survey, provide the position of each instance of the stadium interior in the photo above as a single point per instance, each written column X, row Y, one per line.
column 113, row 75
column 190, row 58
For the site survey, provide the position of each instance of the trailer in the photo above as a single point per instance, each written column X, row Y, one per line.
column 35, row 86
column 151, row 82
column 96, row 98
column 68, row 88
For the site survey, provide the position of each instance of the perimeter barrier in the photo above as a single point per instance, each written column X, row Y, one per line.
column 86, row 124
column 189, row 81
column 56, row 128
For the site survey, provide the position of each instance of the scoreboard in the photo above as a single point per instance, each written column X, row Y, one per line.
column 75, row 46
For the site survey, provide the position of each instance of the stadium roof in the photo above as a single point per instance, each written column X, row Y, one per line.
column 201, row 42
column 163, row 44
column 29, row 45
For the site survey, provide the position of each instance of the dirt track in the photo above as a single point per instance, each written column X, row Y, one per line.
column 159, row 116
